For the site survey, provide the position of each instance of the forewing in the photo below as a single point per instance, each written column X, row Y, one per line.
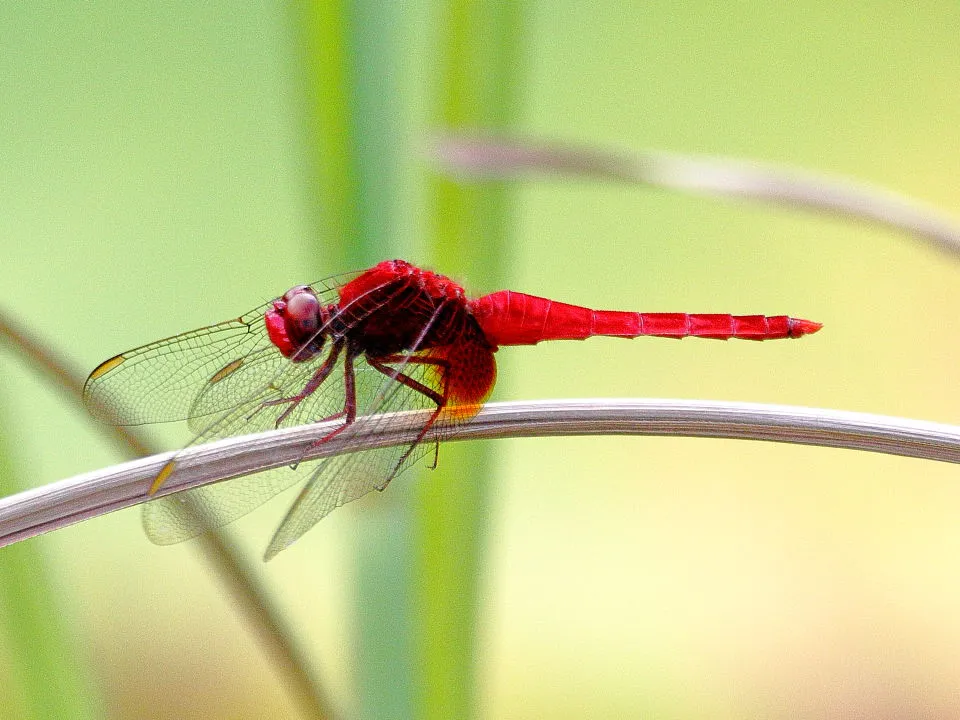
column 244, row 382
column 160, row 382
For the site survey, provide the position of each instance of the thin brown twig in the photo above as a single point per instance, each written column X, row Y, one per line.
column 250, row 597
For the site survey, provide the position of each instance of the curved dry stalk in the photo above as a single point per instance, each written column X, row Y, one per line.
column 500, row 157
column 68, row 501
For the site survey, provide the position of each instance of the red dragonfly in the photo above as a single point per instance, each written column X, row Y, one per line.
column 394, row 337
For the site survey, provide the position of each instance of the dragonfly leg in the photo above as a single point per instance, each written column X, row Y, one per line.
column 414, row 359
column 382, row 365
column 440, row 398
column 439, row 362
column 318, row 378
column 349, row 412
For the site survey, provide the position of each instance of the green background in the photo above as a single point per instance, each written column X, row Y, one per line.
column 155, row 177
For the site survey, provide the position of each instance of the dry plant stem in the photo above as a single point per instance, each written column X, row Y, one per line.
column 68, row 501
column 55, row 367
column 251, row 598
column 498, row 158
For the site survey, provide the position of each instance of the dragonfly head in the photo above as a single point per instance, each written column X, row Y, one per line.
column 296, row 324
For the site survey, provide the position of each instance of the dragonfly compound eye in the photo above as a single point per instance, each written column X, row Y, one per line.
column 303, row 312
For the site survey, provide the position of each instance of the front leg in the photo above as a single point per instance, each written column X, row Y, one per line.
column 349, row 412
column 322, row 373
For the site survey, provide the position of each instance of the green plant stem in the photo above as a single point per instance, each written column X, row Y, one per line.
column 323, row 34
column 353, row 60
column 51, row 681
column 477, row 87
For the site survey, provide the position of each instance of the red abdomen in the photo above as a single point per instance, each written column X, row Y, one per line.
column 512, row 318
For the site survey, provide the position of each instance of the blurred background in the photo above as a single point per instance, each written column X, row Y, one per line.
column 160, row 171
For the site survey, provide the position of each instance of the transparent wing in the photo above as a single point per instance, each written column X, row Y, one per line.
column 338, row 480
column 414, row 381
column 174, row 518
column 262, row 381
column 341, row 479
column 160, row 382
